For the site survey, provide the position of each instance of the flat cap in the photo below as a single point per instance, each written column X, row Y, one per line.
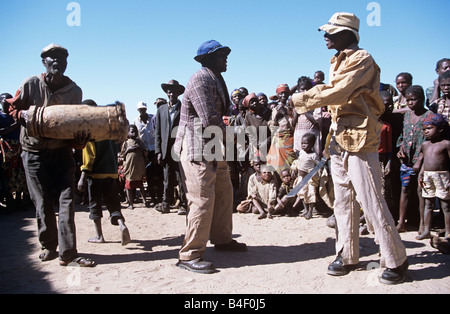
column 53, row 47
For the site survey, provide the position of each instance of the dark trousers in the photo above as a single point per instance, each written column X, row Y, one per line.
column 104, row 190
column 51, row 176
column 172, row 178
column 155, row 179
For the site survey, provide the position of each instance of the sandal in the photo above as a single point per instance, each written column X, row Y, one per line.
column 48, row 255
column 79, row 261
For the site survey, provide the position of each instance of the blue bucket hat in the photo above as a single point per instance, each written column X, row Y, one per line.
column 209, row 47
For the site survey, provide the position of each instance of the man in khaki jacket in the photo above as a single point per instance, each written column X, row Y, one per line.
column 352, row 97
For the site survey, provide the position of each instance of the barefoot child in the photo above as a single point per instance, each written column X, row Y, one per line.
column 262, row 191
column 409, row 150
column 99, row 172
column 306, row 161
column 434, row 175
column 134, row 165
column 246, row 205
column 285, row 205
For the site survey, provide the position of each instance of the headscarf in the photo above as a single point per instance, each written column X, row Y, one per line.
column 234, row 92
column 246, row 101
column 435, row 119
column 282, row 88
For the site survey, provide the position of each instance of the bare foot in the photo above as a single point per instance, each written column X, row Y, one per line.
column 262, row 216
column 424, row 235
column 308, row 215
column 125, row 236
column 401, row 228
column 97, row 239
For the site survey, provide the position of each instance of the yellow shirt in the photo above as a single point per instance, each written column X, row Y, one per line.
column 352, row 97
column 100, row 160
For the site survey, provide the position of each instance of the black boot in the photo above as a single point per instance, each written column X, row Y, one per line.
column 393, row 276
column 337, row 268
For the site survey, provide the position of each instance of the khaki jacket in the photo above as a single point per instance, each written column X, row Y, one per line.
column 352, row 97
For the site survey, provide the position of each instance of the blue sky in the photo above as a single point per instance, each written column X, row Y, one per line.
column 124, row 50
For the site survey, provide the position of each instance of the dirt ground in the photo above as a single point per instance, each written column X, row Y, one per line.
column 286, row 255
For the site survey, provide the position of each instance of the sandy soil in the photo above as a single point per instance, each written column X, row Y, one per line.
column 286, row 255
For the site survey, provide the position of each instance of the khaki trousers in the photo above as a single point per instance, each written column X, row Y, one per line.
column 357, row 185
column 209, row 194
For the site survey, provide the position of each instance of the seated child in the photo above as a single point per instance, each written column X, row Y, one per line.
column 246, row 205
column 434, row 176
column 285, row 205
column 262, row 191
column 306, row 161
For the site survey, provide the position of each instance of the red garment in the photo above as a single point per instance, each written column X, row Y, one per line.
column 131, row 185
column 385, row 139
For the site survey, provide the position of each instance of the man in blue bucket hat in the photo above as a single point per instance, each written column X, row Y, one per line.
column 207, row 181
column 209, row 47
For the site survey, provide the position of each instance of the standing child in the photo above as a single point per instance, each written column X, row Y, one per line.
column 433, row 93
column 409, row 149
column 99, row 171
column 134, row 157
column 121, row 180
column 396, row 122
column 442, row 105
column 403, row 81
column 385, row 150
column 308, row 122
column 306, row 161
column 434, row 176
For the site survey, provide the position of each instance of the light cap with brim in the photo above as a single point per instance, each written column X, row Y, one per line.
column 53, row 47
column 342, row 21
column 208, row 48
column 141, row 105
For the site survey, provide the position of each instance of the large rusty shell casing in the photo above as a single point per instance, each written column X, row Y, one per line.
column 64, row 121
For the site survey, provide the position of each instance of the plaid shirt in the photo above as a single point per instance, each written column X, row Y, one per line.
column 205, row 102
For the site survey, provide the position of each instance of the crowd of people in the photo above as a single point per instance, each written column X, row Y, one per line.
column 404, row 131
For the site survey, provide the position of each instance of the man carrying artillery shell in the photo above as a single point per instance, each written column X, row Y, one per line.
column 49, row 163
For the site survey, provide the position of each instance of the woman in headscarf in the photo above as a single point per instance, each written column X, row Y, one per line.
column 281, row 154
